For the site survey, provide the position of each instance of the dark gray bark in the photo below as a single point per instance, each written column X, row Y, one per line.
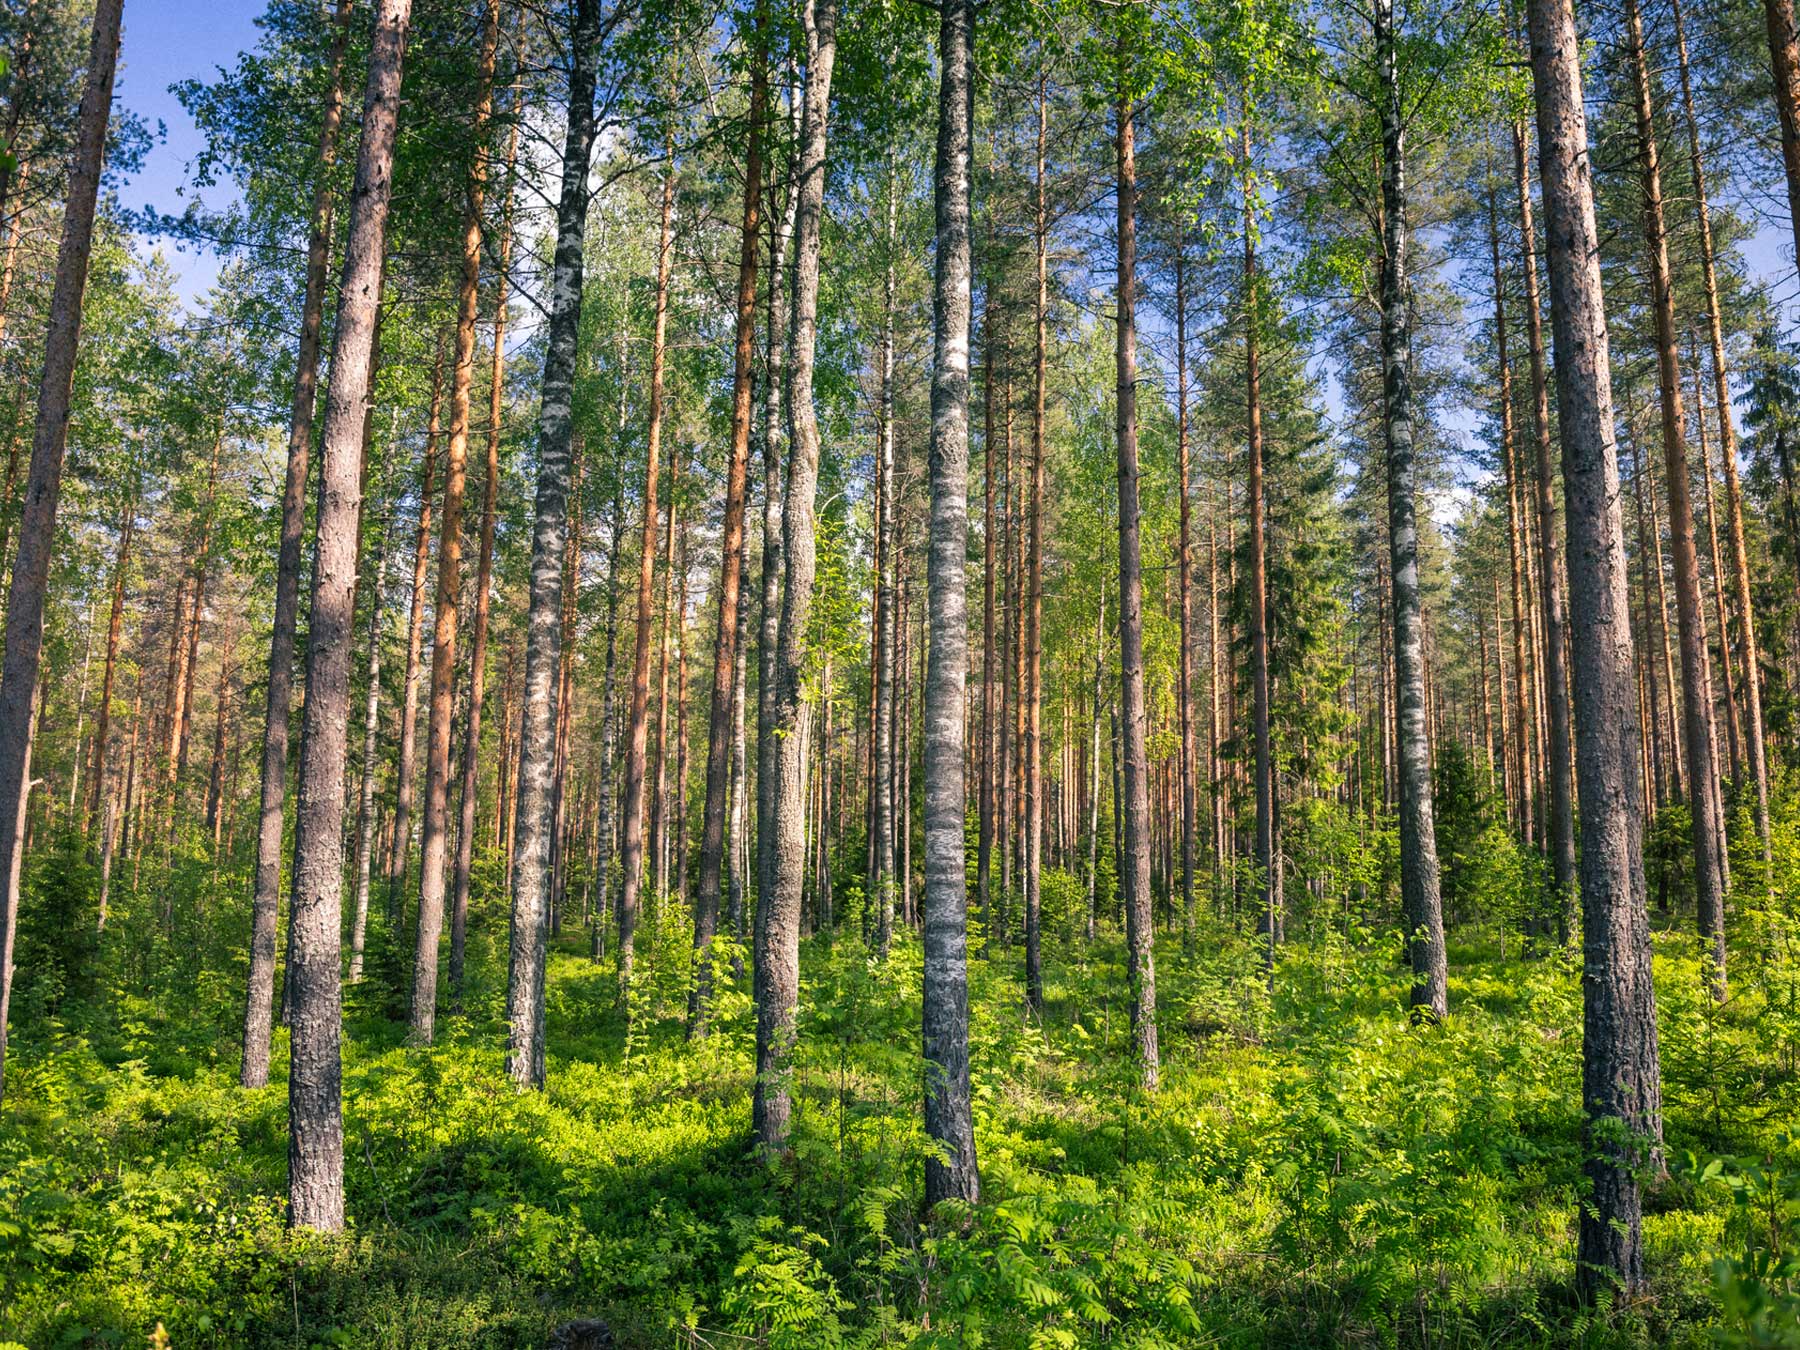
column 950, row 1168
column 1621, row 1087
column 549, row 537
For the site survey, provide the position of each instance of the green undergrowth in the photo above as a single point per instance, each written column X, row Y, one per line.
column 1313, row 1171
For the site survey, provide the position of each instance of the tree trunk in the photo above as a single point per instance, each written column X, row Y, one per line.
column 435, row 820
column 778, row 913
column 316, row 1138
column 365, row 803
column 115, row 624
column 1696, row 681
column 1268, row 861
column 1556, row 680
column 887, row 642
column 43, row 487
column 1184, row 561
column 731, row 545
column 631, row 853
column 1418, row 844
column 484, row 585
column 531, row 844
column 1621, row 1092
column 400, row 847
column 1754, row 734
column 266, row 895
column 1509, row 464
column 1033, row 748
column 775, row 437
column 1134, row 871
column 950, row 1167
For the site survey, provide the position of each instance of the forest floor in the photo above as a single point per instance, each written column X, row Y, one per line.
column 1314, row 1170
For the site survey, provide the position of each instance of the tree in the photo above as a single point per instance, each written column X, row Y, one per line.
column 1621, row 1088
column 271, row 826
column 43, row 486
column 549, row 537
column 315, row 1111
column 950, row 1171
column 778, row 909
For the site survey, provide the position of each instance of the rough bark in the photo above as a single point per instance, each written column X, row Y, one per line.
column 1696, row 679
column 1755, row 744
column 731, row 556
column 1419, row 882
column 778, row 913
column 950, row 1167
column 434, row 844
column 266, row 894
column 637, row 736
column 543, row 625
column 484, row 586
column 1550, row 586
column 43, row 484
column 316, row 1128
column 406, row 759
column 1621, row 1089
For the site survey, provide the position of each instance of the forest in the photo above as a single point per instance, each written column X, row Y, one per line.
column 954, row 673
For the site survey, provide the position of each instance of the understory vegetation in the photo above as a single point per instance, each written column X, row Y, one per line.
column 1314, row 1170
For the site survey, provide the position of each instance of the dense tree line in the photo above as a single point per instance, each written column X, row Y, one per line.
column 682, row 488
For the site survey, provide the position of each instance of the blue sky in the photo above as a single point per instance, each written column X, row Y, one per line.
column 165, row 41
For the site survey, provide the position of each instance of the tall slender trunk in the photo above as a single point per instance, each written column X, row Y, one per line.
column 266, row 894
column 984, row 857
column 1514, row 524
column 115, row 625
column 603, row 828
column 775, row 438
column 43, row 487
column 1033, row 748
column 731, row 545
column 406, row 760
column 1755, row 745
column 1696, row 680
column 631, row 853
column 1721, row 606
column 1134, row 871
column 543, row 625
column 778, row 913
column 1418, row 844
column 435, row 820
column 1184, row 561
column 887, row 641
column 1093, row 857
column 365, row 800
column 316, row 1131
column 1268, row 861
column 950, row 1168
column 1556, row 680
column 1621, row 1090
column 484, row 586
